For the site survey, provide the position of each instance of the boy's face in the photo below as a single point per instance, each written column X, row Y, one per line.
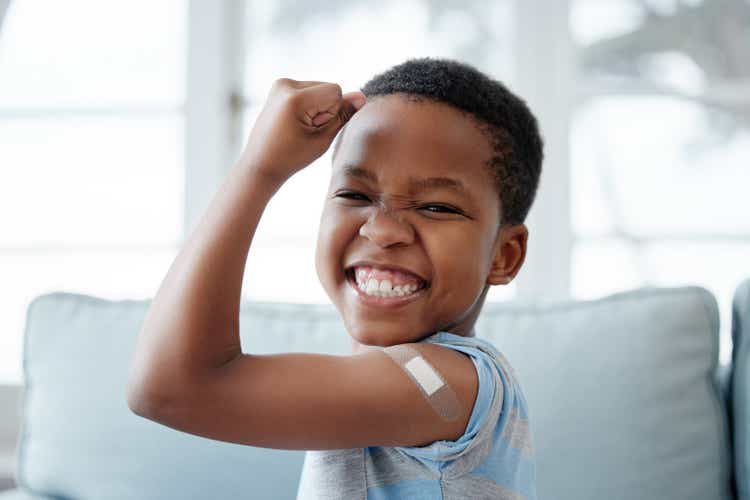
column 382, row 212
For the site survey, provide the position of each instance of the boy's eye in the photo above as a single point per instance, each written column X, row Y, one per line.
column 441, row 209
column 353, row 195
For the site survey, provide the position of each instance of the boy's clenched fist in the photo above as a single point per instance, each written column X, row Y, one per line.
column 297, row 125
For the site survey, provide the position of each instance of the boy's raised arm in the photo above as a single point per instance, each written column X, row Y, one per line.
column 188, row 370
column 192, row 326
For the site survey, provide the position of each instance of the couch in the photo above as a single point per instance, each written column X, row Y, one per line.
column 626, row 395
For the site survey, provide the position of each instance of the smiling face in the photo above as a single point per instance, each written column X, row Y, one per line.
column 409, row 238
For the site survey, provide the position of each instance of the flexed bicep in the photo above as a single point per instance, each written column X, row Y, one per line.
column 317, row 401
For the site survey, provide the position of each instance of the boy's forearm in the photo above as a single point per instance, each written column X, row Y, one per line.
column 192, row 326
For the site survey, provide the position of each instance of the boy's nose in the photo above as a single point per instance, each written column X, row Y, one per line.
column 386, row 229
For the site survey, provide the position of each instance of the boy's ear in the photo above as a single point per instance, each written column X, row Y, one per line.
column 510, row 252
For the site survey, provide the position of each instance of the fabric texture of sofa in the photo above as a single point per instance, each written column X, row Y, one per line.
column 626, row 397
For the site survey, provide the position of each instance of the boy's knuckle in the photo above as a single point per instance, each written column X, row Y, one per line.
column 337, row 88
column 282, row 83
column 297, row 99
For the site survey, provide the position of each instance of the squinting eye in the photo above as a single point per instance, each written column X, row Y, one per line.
column 443, row 209
column 352, row 195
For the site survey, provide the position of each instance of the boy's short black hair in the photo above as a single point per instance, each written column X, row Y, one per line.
column 502, row 116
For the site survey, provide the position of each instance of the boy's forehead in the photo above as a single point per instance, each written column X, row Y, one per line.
column 392, row 129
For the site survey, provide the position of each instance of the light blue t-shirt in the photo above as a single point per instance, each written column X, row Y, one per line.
column 493, row 459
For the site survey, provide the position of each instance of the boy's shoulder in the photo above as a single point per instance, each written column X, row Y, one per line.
column 475, row 347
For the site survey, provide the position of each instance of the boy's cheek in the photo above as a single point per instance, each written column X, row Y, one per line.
column 319, row 267
column 330, row 251
column 324, row 267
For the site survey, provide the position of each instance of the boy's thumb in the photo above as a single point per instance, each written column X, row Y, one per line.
column 358, row 99
column 350, row 104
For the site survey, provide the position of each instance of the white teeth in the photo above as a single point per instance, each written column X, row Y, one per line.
column 372, row 286
column 384, row 288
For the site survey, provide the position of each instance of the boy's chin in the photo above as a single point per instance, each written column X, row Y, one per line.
column 383, row 334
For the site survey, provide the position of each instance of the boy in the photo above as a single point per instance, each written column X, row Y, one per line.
column 432, row 178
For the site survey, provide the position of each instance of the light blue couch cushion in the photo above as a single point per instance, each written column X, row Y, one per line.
column 740, row 386
column 621, row 390
column 623, row 394
column 79, row 439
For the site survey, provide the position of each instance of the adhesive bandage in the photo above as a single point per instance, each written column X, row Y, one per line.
column 432, row 385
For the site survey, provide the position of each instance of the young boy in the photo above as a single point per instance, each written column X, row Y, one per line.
column 432, row 178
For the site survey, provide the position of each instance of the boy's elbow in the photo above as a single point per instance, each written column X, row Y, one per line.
column 137, row 402
column 144, row 391
column 142, row 401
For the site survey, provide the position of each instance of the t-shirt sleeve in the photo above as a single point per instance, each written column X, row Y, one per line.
column 480, row 427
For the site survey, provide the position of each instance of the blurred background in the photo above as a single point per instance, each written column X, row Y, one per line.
column 119, row 120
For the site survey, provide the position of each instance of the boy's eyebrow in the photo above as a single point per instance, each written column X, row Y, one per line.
column 415, row 185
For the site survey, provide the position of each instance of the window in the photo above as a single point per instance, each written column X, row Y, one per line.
column 96, row 190
column 660, row 144
column 91, row 160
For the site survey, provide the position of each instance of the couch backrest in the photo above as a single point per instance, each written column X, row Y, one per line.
column 623, row 393
column 621, row 390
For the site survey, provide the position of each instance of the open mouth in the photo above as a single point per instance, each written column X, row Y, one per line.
column 376, row 283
